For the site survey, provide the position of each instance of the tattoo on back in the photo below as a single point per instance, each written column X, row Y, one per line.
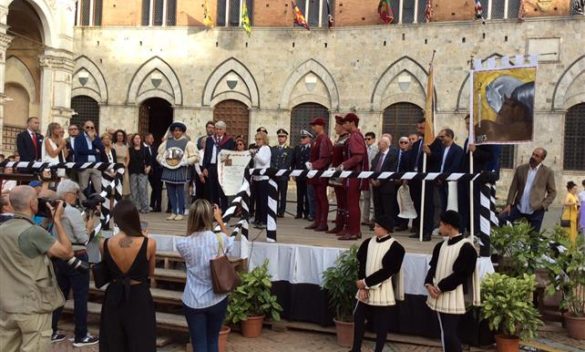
column 125, row 242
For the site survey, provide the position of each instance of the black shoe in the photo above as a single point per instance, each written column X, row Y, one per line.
column 414, row 235
column 413, row 230
column 86, row 341
column 298, row 217
column 426, row 237
column 280, row 215
column 401, row 228
column 56, row 337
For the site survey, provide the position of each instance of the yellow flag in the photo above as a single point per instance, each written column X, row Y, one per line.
column 207, row 20
column 246, row 18
column 429, row 109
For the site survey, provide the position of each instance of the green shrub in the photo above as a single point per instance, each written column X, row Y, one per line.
column 339, row 281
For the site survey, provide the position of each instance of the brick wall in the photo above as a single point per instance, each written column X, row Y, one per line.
column 272, row 13
column 121, row 12
column 356, row 12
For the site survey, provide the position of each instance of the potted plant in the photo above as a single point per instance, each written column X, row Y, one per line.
column 519, row 249
column 252, row 300
column 567, row 276
column 339, row 281
column 507, row 307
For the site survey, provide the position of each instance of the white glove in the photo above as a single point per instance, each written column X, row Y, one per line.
column 309, row 165
column 340, row 167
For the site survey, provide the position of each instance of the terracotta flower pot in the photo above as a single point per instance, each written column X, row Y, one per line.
column 252, row 326
column 223, row 337
column 575, row 326
column 344, row 333
column 506, row 343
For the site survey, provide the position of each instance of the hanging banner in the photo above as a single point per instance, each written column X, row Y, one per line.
column 502, row 101
column 230, row 170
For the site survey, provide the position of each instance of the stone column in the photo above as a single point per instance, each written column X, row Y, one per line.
column 5, row 40
column 56, row 73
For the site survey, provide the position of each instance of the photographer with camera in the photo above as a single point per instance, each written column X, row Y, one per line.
column 75, row 277
column 29, row 288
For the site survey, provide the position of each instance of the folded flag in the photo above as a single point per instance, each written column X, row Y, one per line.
column 385, row 11
column 246, row 19
column 207, row 20
column 429, row 11
column 299, row 17
column 478, row 10
column 329, row 15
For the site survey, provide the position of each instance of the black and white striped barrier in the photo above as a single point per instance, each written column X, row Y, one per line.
column 111, row 181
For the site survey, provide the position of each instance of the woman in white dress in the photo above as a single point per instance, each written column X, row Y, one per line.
column 54, row 148
column 262, row 157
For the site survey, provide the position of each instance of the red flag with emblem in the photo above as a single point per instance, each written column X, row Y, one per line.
column 385, row 11
column 299, row 17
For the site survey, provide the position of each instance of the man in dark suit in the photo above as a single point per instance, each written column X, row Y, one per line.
column 88, row 147
column 384, row 191
column 281, row 159
column 29, row 142
column 154, row 177
column 402, row 165
column 213, row 146
column 451, row 161
column 301, row 155
column 485, row 158
column 433, row 152
column 531, row 192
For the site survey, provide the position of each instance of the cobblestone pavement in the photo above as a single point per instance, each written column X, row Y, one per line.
column 301, row 341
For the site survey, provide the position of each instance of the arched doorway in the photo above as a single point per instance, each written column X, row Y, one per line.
column 400, row 120
column 156, row 115
column 86, row 109
column 23, row 72
column 236, row 115
column 574, row 154
column 300, row 117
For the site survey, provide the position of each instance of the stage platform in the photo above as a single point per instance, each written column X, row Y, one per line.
column 289, row 231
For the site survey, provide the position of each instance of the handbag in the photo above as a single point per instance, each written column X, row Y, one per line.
column 565, row 222
column 101, row 273
column 223, row 275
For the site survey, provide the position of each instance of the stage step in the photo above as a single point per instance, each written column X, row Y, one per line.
column 175, row 322
column 168, row 275
column 158, row 295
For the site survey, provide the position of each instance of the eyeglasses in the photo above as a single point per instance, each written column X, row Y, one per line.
column 89, row 127
column 403, row 142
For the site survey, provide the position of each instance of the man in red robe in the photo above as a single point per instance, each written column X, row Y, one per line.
column 357, row 161
column 320, row 160
column 338, row 156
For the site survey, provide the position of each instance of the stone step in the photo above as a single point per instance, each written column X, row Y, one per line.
column 158, row 295
column 174, row 322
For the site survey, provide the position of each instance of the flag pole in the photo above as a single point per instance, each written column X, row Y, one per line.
column 471, row 139
column 429, row 112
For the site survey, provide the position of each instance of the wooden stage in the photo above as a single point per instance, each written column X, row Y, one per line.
column 290, row 231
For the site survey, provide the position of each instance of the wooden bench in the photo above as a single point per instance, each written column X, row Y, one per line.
column 168, row 275
column 174, row 322
column 168, row 258
column 158, row 295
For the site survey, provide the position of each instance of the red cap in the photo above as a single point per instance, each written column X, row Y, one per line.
column 339, row 119
column 351, row 117
column 317, row 121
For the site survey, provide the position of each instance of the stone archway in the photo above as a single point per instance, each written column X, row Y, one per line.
column 569, row 89
column 88, row 80
column 155, row 79
column 231, row 80
column 319, row 85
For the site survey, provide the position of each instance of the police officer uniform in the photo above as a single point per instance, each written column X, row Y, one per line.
column 281, row 159
column 300, row 156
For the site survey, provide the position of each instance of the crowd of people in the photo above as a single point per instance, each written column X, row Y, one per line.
column 43, row 220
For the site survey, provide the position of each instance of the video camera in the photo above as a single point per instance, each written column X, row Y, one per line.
column 44, row 209
column 91, row 204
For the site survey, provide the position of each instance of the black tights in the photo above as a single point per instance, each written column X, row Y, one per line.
column 379, row 316
column 448, row 324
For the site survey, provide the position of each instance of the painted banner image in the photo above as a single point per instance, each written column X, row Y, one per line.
column 503, row 105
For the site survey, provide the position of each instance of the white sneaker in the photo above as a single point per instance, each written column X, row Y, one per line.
column 270, row 240
column 179, row 217
column 171, row 217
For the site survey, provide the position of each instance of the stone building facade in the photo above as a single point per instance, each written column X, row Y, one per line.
column 136, row 65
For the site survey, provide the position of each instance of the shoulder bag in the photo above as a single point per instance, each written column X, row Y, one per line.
column 223, row 275
column 101, row 273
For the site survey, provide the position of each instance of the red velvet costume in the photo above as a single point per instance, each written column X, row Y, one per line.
column 338, row 156
column 320, row 160
column 357, row 160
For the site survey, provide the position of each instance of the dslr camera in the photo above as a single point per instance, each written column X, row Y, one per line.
column 44, row 209
column 91, row 204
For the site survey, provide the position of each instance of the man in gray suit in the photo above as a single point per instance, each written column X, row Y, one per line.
column 531, row 192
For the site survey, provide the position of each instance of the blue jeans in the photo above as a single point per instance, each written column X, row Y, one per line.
column 176, row 194
column 534, row 219
column 71, row 279
column 204, row 325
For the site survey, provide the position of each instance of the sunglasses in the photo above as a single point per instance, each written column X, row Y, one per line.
column 403, row 142
column 368, row 139
column 282, row 136
column 89, row 127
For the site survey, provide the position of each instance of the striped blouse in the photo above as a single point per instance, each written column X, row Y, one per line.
column 197, row 250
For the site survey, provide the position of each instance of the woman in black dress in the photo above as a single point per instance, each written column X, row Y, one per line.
column 128, row 322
